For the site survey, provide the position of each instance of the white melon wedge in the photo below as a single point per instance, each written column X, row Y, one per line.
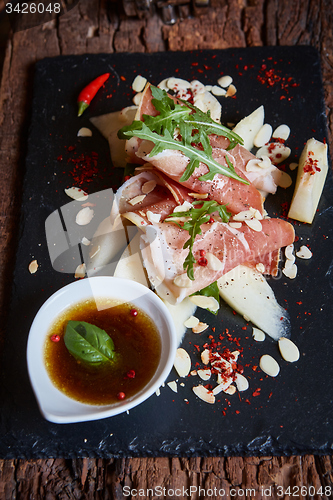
column 311, row 175
column 248, row 293
column 108, row 125
column 249, row 127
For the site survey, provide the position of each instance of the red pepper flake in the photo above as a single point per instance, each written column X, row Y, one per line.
column 256, row 392
column 194, row 64
column 123, row 78
column 299, row 303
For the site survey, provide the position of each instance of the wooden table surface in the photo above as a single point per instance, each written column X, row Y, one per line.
column 94, row 26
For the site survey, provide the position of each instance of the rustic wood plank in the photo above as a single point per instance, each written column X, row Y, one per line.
column 98, row 26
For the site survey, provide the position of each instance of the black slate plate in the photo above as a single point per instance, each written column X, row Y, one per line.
column 291, row 414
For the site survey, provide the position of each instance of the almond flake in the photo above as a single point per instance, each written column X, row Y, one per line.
column 235, row 225
column 243, row 215
column 289, row 351
column 191, row 322
column 263, row 135
column 204, row 394
column 182, row 362
column 242, row 383
column 213, row 262
column 254, row 224
column 199, row 196
column 285, row 180
column 290, row 272
column 258, row 335
column 223, row 384
column 85, row 241
column 153, row 217
column 137, row 199
column 217, row 90
column 260, row 267
column 194, row 373
column 183, row 281
column 293, row 166
column 84, row 132
column 33, row 266
column 281, row 132
column 289, row 251
column 204, row 374
column 225, row 81
column 84, row 216
column 80, row 271
column 205, row 356
column 269, row 365
column 173, row 386
column 139, row 83
column 137, row 98
column 201, row 327
column 148, row 186
column 304, row 253
column 205, row 302
column 76, row 193
column 230, row 390
column 231, row 91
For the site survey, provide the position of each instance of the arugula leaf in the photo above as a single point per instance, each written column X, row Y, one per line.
column 165, row 141
column 88, row 343
column 197, row 217
column 211, row 290
column 193, row 125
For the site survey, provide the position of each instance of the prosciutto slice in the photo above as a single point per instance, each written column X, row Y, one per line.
column 224, row 247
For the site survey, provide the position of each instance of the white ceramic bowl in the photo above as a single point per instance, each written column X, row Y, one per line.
column 56, row 406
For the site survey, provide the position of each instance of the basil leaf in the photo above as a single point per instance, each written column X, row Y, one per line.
column 88, row 343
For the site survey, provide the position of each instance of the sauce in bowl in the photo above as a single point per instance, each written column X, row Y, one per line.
column 137, row 344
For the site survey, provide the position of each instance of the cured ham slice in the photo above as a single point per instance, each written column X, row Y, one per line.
column 224, row 247
column 226, row 191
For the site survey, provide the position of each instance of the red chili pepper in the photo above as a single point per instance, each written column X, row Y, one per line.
column 88, row 93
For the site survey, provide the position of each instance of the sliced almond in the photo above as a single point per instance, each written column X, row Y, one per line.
column 241, row 382
column 235, row 225
column 148, row 186
column 204, row 394
column 137, row 199
column 260, row 267
column 84, row 132
column 258, row 335
column 80, row 271
column 230, row 390
column 289, row 351
column 137, row 98
column 293, row 166
column 182, row 362
column 191, row 322
column 289, row 251
column 304, row 253
column 183, row 281
column 269, row 365
column 217, row 90
column 225, row 81
column 173, row 386
column 33, row 266
column 153, row 218
column 243, row 215
column 205, row 356
column 223, row 384
column 139, row 83
column 254, row 224
column 201, row 327
column 205, row 302
column 85, row 241
column 263, row 135
column 276, row 151
column 285, row 180
column 76, row 193
column 199, row 196
column 204, row 374
column 281, row 132
column 84, row 216
column 231, row 91
column 213, row 262
column 290, row 272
